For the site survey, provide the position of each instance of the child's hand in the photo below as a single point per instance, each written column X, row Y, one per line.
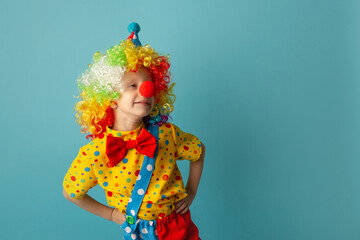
column 183, row 205
column 117, row 216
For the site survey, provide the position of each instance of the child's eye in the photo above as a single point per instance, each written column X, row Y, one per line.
column 132, row 85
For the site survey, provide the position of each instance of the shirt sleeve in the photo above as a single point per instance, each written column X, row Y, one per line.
column 80, row 177
column 187, row 145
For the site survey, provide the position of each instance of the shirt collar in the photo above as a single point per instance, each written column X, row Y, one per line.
column 126, row 135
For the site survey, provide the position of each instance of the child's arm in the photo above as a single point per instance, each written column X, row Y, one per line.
column 192, row 184
column 91, row 205
column 195, row 172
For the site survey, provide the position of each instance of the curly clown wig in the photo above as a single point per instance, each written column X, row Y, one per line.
column 101, row 84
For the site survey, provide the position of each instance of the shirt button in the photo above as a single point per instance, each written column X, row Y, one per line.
column 130, row 220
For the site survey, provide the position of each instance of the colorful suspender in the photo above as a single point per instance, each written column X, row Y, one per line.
column 141, row 185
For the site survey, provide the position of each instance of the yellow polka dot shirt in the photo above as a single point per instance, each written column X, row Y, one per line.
column 166, row 185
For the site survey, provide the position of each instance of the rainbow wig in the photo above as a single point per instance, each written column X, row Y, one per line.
column 102, row 83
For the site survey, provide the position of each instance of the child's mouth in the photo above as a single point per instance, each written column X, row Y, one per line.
column 143, row 103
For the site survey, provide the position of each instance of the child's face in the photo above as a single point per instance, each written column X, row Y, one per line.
column 131, row 102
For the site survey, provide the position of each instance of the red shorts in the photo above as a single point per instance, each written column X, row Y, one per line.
column 177, row 227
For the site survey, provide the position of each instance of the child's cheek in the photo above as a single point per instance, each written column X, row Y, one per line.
column 152, row 104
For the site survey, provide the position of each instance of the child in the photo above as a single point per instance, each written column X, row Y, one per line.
column 125, row 105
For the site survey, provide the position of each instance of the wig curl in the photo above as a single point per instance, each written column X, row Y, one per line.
column 101, row 84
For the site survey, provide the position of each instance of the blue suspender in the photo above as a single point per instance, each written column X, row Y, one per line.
column 141, row 185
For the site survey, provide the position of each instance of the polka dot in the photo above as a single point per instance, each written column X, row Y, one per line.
column 96, row 153
column 163, row 196
column 82, row 180
column 128, row 180
column 144, row 230
column 118, row 134
column 151, row 223
column 167, row 142
column 100, row 172
column 141, row 191
column 165, row 177
column 149, row 205
column 137, row 172
column 72, row 195
column 132, row 212
column 73, row 178
column 130, row 199
column 138, row 178
column 133, row 236
column 87, row 169
column 105, row 184
column 109, row 194
column 161, row 131
column 128, row 229
column 178, row 178
column 149, row 167
column 186, row 148
column 125, row 160
column 157, row 185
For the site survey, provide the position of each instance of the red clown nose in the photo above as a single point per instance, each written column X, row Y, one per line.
column 147, row 89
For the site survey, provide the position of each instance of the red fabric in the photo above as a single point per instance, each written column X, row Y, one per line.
column 116, row 147
column 177, row 227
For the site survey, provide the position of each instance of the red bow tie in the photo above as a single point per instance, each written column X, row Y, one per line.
column 116, row 148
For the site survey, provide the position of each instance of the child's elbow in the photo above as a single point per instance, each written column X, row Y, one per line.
column 202, row 149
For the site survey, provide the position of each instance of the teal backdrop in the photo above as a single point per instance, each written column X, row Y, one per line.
column 270, row 87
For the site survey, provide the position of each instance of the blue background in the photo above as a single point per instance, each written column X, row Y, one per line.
column 270, row 87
